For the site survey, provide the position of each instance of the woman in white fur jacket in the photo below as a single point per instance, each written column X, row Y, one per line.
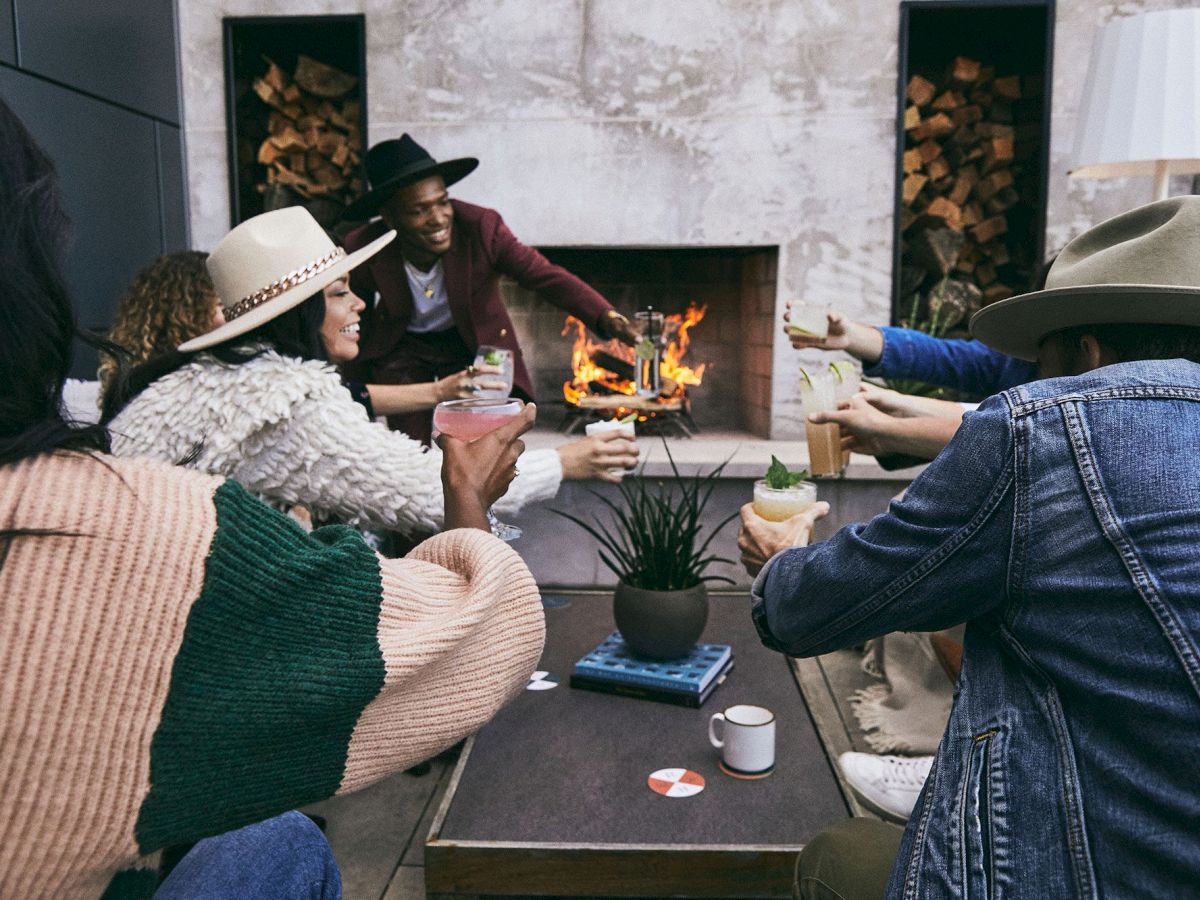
column 263, row 405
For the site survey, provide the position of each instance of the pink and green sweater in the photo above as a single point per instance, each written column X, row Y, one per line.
column 179, row 660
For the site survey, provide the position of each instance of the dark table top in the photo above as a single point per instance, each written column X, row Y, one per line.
column 570, row 766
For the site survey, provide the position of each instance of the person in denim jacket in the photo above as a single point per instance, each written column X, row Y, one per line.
column 1062, row 524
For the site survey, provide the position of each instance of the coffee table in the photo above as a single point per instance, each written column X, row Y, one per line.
column 550, row 798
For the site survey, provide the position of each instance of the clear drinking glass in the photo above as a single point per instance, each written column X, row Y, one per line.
column 824, row 441
column 808, row 319
column 613, row 425
column 469, row 420
column 780, row 504
column 648, row 352
column 487, row 355
column 846, row 381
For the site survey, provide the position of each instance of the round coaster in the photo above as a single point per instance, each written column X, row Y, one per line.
column 541, row 681
column 676, row 782
column 744, row 776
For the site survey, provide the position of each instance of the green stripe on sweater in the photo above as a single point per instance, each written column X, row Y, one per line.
column 279, row 658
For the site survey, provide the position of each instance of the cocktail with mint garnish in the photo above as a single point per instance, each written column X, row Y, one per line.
column 783, row 494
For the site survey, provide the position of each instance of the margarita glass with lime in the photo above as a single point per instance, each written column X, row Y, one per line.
column 469, row 420
column 502, row 358
column 808, row 320
column 824, row 441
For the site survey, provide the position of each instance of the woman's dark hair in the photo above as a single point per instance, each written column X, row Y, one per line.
column 37, row 322
column 296, row 332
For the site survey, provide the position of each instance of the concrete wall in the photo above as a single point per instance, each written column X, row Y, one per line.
column 99, row 90
column 671, row 123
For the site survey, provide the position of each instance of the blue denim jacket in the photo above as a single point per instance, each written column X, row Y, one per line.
column 967, row 366
column 1062, row 524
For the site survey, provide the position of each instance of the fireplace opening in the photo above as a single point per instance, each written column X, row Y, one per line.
column 973, row 142
column 295, row 95
column 718, row 304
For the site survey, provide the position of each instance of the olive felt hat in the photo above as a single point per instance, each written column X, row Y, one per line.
column 1141, row 267
column 398, row 163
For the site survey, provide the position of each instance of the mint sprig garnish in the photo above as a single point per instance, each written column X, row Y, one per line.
column 780, row 479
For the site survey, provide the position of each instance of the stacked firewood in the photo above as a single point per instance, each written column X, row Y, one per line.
column 314, row 143
column 967, row 156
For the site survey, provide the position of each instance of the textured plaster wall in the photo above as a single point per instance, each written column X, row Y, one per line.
column 659, row 122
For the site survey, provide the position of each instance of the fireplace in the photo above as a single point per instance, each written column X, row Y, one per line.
column 731, row 293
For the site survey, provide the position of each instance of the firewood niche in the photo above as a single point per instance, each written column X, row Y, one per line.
column 972, row 187
column 295, row 92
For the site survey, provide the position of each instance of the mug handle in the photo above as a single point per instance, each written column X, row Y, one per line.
column 712, row 732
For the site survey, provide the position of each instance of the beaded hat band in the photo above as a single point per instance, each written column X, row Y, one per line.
column 286, row 283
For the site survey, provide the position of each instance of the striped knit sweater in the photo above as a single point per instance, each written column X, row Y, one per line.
column 187, row 661
column 289, row 431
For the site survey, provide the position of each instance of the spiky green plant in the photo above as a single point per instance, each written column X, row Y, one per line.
column 652, row 537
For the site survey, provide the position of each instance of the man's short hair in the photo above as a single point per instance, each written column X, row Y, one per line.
column 1140, row 341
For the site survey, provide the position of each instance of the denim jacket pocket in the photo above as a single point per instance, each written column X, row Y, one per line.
column 981, row 806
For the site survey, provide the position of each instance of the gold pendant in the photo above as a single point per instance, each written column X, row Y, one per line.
column 428, row 292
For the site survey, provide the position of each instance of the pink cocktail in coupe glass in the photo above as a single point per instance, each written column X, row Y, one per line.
column 469, row 420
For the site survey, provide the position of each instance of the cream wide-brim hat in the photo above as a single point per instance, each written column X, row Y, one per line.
column 270, row 264
column 1141, row 267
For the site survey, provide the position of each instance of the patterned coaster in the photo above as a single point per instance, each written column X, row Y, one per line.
column 541, row 681
column 676, row 782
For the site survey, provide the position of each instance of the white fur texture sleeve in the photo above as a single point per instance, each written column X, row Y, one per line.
column 290, row 432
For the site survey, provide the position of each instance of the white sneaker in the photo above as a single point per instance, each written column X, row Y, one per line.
column 888, row 784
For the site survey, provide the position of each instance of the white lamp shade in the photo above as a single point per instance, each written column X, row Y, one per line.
column 1141, row 102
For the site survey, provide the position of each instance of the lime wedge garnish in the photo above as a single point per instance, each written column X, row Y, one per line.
column 837, row 371
column 492, row 357
column 645, row 349
column 632, row 417
column 796, row 329
column 804, row 375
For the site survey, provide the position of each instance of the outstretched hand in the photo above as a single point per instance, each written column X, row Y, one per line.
column 476, row 474
column 838, row 337
column 760, row 539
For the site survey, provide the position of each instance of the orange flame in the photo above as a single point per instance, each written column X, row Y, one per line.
column 586, row 372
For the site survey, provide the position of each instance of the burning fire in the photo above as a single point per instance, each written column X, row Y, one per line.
column 588, row 377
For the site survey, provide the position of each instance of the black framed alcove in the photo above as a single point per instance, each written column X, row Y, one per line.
column 338, row 41
column 1013, row 41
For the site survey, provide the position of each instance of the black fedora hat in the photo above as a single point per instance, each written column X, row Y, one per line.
column 394, row 164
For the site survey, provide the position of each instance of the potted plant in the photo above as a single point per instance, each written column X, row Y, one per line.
column 653, row 544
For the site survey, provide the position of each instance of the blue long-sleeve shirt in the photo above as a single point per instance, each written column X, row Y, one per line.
column 967, row 366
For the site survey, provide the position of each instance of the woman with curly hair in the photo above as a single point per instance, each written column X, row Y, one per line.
column 170, row 301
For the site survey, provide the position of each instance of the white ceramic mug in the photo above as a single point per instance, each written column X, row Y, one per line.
column 747, row 741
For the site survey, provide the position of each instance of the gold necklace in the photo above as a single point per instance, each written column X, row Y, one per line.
column 425, row 284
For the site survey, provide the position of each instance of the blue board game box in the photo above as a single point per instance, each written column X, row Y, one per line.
column 686, row 681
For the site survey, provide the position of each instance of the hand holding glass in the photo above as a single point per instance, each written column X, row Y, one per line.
column 469, row 420
column 498, row 383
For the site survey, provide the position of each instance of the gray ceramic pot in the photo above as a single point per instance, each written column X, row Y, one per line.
column 660, row 624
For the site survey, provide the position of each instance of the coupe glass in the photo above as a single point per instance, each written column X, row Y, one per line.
column 469, row 420
column 487, row 355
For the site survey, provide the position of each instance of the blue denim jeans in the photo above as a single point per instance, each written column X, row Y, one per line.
column 284, row 857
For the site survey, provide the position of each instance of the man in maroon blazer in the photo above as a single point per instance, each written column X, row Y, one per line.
column 433, row 295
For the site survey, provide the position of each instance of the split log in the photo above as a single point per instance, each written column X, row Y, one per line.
column 950, row 213
column 912, row 161
column 912, row 117
column 1008, row 87
column 322, row 80
column 964, row 70
column 963, row 184
column 937, row 169
column 920, row 91
column 997, row 292
column 911, row 187
column 949, row 100
column 937, row 249
column 989, row 229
